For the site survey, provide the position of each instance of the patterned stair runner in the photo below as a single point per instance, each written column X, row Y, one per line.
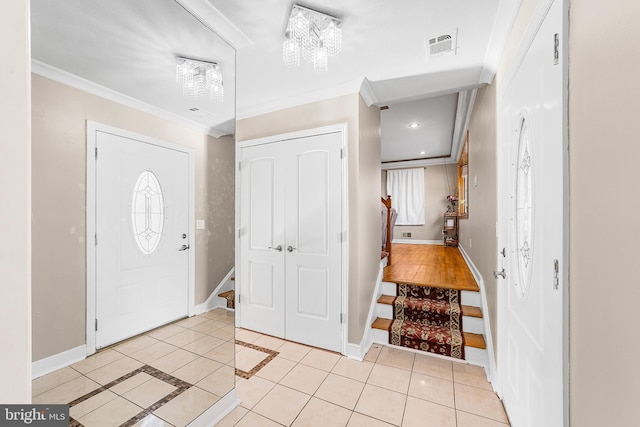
column 428, row 319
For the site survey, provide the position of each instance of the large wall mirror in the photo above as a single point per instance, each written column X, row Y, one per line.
column 114, row 63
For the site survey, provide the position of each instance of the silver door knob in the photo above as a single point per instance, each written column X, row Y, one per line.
column 183, row 247
column 290, row 248
column 277, row 248
column 500, row 273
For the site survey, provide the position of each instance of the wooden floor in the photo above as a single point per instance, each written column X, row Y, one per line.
column 430, row 265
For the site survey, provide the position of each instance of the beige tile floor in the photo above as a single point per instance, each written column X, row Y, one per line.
column 198, row 350
column 301, row 386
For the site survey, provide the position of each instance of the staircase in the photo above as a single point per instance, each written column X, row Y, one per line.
column 435, row 312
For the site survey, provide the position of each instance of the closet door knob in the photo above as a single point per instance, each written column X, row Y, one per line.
column 290, row 248
column 277, row 248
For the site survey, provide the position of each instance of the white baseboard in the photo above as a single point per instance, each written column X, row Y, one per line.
column 488, row 336
column 358, row 351
column 218, row 411
column 213, row 300
column 418, row 242
column 57, row 361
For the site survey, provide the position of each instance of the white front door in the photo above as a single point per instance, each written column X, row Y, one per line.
column 142, row 237
column 290, row 241
column 531, row 329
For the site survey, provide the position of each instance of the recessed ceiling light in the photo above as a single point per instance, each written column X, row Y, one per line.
column 414, row 125
column 422, row 153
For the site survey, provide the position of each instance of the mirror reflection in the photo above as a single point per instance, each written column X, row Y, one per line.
column 112, row 103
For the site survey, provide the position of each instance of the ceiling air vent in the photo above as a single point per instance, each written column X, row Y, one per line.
column 202, row 113
column 442, row 44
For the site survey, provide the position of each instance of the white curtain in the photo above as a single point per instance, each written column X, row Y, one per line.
column 406, row 188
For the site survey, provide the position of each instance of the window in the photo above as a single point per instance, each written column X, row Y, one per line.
column 406, row 187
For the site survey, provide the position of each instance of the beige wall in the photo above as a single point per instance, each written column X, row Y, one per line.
column 59, row 197
column 478, row 233
column 604, row 150
column 15, row 170
column 368, row 219
column 364, row 168
column 436, row 188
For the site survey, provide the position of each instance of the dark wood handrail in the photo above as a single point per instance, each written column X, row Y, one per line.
column 387, row 203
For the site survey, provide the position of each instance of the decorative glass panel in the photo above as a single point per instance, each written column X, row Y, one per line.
column 147, row 212
column 524, row 210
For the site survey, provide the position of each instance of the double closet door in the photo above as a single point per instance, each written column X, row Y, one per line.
column 291, row 239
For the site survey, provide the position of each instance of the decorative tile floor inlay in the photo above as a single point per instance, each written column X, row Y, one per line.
column 269, row 356
column 180, row 387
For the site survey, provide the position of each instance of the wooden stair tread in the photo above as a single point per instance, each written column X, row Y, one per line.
column 467, row 310
column 474, row 340
column 386, row 299
column 226, row 294
column 471, row 311
column 381, row 323
column 470, row 339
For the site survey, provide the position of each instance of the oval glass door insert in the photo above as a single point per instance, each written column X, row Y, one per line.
column 524, row 210
column 147, row 212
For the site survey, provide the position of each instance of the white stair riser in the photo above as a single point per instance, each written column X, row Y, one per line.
column 379, row 336
column 473, row 324
column 384, row 310
column 471, row 298
column 476, row 356
column 387, row 288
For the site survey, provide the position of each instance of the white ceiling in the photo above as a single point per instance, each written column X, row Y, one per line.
column 129, row 47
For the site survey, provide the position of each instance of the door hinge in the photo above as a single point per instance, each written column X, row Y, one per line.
column 556, row 49
column 342, row 153
column 239, row 166
column 96, row 239
column 341, row 318
column 96, row 153
column 556, row 272
column 96, row 324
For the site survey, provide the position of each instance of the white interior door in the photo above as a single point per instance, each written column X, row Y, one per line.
column 290, row 239
column 142, row 262
column 532, row 327
column 313, row 238
column 261, row 277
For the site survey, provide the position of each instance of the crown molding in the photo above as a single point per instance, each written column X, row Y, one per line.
column 466, row 99
column 505, row 18
column 367, row 93
column 418, row 163
column 64, row 77
column 346, row 88
column 216, row 21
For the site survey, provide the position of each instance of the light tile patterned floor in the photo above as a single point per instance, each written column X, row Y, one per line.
column 303, row 386
column 166, row 377
column 281, row 383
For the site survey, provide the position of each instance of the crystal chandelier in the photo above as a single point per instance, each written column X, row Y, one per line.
column 198, row 78
column 313, row 35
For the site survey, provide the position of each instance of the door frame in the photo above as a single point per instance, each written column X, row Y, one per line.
column 342, row 129
column 92, row 129
column 502, row 227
